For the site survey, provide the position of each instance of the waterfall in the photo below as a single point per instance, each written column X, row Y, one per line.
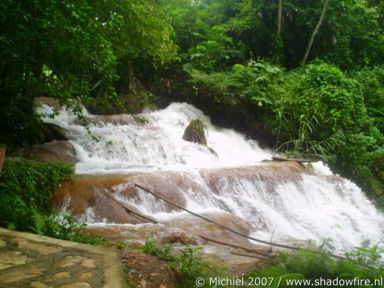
column 285, row 199
column 152, row 141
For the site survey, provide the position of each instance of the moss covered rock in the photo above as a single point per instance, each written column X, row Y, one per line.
column 195, row 132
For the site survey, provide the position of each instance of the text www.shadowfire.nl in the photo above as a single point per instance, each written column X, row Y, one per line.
column 288, row 282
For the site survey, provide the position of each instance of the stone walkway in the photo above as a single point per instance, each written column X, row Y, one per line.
column 28, row 260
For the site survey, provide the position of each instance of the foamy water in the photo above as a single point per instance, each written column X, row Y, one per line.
column 306, row 207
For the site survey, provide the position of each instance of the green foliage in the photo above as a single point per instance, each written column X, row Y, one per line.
column 216, row 51
column 372, row 82
column 362, row 262
column 47, row 50
column 324, row 114
column 25, row 204
column 26, row 187
column 216, row 34
column 320, row 103
column 72, row 50
column 185, row 263
column 246, row 90
column 136, row 29
column 190, row 266
column 162, row 251
column 63, row 227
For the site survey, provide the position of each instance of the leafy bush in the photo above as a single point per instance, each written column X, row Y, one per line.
column 185, row 263
column 247, row 91
column 26, row 187
column 324, row 115
column 320, row 103
column 25, row 205
column 372, row 82
column 162, row 251
column 362, row 262
column 63, row 226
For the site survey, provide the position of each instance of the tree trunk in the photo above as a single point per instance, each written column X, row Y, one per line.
column 325, row 6
column 279, row 41
column 135, row 85
column 279, row 17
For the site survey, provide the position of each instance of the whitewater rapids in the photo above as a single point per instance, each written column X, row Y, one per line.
column 300, row 206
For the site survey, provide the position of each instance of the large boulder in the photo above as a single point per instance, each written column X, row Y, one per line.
column 54, row 103
column 54, row 132
column 62, row 151
column 195, row 132
column 114, row 198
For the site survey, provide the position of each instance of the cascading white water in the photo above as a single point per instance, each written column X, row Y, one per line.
column 132, row 145
column 305, row 207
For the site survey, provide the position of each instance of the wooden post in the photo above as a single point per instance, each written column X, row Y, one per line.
column 2, row 156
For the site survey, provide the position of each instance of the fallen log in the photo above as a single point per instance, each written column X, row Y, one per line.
column 281, row 159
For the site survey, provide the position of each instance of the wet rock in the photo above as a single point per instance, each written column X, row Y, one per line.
column 54, row 151
column 235, row 264
column 197, row 226
column 91, row 197
column 122, row 119
column 113, row 197
column 195, row 132
column 54, row 132
column 310, row 169
column 271, row 174
column 140, row 119
column 54, row 103
column 179, row 236
column 184, row 229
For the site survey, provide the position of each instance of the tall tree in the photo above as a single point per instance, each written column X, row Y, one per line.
column 315, row 31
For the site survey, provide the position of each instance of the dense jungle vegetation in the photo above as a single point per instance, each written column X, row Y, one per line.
column 305, row 77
